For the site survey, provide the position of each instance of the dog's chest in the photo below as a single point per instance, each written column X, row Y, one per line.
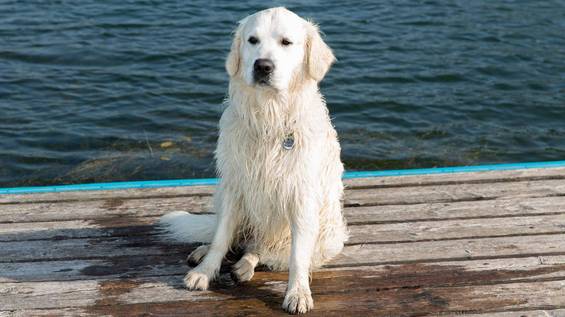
column 265, row 166
column 270, row 155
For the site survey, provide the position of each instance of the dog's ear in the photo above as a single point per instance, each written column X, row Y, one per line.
column 234, row 60
column 319, row 56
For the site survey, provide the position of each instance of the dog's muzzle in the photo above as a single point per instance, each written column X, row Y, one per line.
column 262, row 70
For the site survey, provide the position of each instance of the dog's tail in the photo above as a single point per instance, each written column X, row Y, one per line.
column 181, row 226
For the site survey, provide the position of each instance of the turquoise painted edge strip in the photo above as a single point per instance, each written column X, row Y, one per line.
column 214, row 181
column 456, row 169
column 109, row 186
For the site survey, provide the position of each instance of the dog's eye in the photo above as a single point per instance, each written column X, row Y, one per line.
column 253, row 40
column 285, row 42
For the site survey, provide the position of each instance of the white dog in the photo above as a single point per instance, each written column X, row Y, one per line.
column 278, row 159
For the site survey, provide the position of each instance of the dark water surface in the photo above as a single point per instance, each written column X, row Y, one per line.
column 127, row 90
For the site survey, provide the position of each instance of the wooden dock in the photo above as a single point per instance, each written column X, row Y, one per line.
column 473, row 244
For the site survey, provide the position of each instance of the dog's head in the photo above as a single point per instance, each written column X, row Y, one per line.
column 274, row 48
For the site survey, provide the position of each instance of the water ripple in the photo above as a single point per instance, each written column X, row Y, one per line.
column 90, row 91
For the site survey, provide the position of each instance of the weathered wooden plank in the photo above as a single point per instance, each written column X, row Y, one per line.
column 513, row 207
column 59, row 312
column 160, row 192
column 458, row 178
column 456, row 229
column 428, row 251
column 372, row 233
column 98, row 214
column 414, row 180
column 518, row 313
column 81, row 312
column 375, row 294
column 49, row 250
column 524, row 269
column 66, row 249
column 102, row 209
column 494, row 199
column 73, row 229
column 453, row 193
column 106, row 268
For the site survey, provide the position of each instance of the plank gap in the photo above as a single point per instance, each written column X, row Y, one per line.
column 455, row 182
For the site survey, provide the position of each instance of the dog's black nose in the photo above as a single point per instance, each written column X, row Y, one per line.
column 263, row 67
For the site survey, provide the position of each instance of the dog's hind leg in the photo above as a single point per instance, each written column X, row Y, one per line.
column 244, row 269
column 199, row 277
column 196, row 256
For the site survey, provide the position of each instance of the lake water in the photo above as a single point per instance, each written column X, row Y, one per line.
column 96, row 91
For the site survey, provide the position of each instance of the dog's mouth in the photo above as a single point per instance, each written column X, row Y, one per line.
column 262, row 81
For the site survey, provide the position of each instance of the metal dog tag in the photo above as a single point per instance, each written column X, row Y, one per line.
column 288, row 142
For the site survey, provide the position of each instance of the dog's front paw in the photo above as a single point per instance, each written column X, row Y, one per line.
column 243, row 270
column 195, row 280
column 298, row 301
column 196, row 256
